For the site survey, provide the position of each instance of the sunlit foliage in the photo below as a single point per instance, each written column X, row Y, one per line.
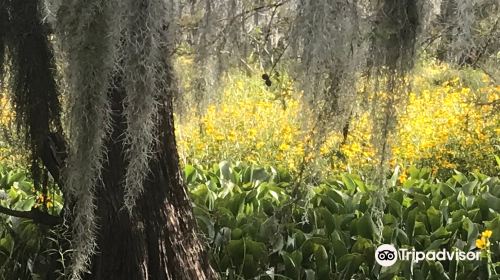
column 447, row 124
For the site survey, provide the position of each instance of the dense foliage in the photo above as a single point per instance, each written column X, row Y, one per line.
column 450, row 122
column 249, row 212
column 27, row 250
column 257, row 229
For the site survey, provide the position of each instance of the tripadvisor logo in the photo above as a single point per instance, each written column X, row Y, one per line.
column 387, row 255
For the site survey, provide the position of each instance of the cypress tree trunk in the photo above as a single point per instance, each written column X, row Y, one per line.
column 158, row 241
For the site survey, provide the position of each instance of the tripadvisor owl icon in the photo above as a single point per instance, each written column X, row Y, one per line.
column 386, row 255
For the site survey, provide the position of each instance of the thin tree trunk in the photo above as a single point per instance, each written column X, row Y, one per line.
column 158, row 241
column 447, row 15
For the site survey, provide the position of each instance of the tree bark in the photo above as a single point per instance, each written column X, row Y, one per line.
column 159, row 240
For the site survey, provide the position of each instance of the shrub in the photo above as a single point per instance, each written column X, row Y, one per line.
column 450, row 122
column 256, row 229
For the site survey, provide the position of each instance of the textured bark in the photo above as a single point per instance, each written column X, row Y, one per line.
column 158, row 241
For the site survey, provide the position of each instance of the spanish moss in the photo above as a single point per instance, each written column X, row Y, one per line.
column 143, row 52
column 392, row 54
column 31, row 81
column 88, row 32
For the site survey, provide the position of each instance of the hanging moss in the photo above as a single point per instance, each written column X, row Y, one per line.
column 89, row 32
column 392, row 55
column 394, row 34
column 328, row 39
column 143, row 51
column 4, row 25
column 31, row 80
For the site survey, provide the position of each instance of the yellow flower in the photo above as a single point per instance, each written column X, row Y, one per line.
column 324, row 150
column 487, row 233
column 402, row 178
column 219, row 137
column 284, row 147
column 252, row 132
column 481, row 243
column 200, row 145
column 484, row 242
column 259, row 145
column 231, row 136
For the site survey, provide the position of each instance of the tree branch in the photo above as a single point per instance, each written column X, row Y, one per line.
column 34, row 214
column 243, row 14
column 255, row 9
column 491, row 103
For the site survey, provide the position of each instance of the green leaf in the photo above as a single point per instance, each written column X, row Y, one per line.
column 339, row 248
column 25, row 186
column 3, row 181
column 472, row 233
column 423, row 201
column 410, row 223
column 367, row 228
column 492, row 201
column 310, row 274
column 401, row 236
column 322, row 263
column 258, row 250
column 438, row 271
column 348, row 182
column 494, row 225
column 190, row 174
column 349, row 264
column 435, row 218
column 469, row 187
column 440, row 233
column 447, row 190
column 394, row 178
column 7, row 245
column 338, row 196
column 225, row 170
column 284, row 175
column 259, row 175
column 436, row 244
column 365, row 248
column 25, row 205
column 328, row 220
column 329, row 203
column 395, row 208
column 250, row 267
column 209, row 226
column 15, row 176
column 460, row 178
column 293, row 263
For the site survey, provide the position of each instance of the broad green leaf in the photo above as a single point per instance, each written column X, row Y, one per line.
column 472, row 233
column 493, row 202
column 190, row 174
column 15, row 176
column 339, row 248
column 435, row 218
column 367, row 228
column 293, row 264
column 328, row 220
column 447, row 190
column 225, row 170
column 349, row 264
column 348, row 182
